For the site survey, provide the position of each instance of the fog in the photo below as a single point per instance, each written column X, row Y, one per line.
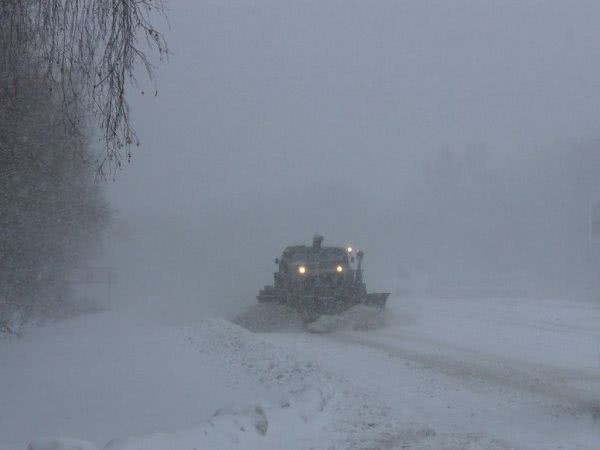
column 453, row 140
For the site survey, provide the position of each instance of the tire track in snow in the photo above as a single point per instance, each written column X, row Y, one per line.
column 567, row 374
column 551, row 382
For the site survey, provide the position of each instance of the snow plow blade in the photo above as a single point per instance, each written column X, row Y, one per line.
column 377, row 299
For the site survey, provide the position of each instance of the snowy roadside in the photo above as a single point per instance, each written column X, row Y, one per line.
column 407, row 383
column 106, row 382
column 100, row 376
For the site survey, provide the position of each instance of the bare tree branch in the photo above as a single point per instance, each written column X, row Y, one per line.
column 90, row 50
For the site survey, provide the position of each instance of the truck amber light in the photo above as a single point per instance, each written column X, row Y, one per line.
column 301, row 270
column 339, row 269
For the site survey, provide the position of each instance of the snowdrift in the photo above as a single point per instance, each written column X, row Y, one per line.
column 297, row 404
column 295, row 420
column 270, row 317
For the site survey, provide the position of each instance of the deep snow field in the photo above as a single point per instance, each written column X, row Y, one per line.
column 429, row 374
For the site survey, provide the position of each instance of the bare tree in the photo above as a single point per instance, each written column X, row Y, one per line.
column 89, row 49
column 52, row 213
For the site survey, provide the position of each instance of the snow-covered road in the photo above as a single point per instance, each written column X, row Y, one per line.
column 441, row 374
column 522, row 372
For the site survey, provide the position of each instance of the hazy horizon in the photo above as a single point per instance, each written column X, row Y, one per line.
column 432, row 134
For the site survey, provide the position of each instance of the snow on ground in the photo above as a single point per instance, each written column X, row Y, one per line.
column 429, row 374
column 104, row 378
column 358, row 318
column 523, row 372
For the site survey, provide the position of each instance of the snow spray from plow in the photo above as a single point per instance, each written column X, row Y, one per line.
column 265, row 318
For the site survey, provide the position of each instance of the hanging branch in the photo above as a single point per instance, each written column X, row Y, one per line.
column 89, row 49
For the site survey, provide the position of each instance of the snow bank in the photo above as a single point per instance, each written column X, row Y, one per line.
column 333, row 412
column 218, row 385
column 214, row 385
column 317, row 409
column 294, row 423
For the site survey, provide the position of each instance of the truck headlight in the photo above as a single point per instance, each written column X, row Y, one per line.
column 339, row 269
column 301, row 270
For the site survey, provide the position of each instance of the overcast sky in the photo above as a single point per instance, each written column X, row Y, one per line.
column 264, row 95
column 285, row 101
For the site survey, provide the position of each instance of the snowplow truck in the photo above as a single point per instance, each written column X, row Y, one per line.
column 316, row 280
